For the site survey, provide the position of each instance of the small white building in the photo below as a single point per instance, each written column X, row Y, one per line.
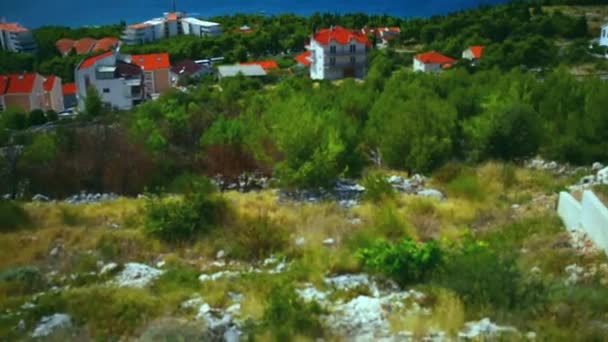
column 473, row 53
column 16, row 38
column 171, row 25
column 432, row 62
column 604, row 35
column 119, row 84
column 337, row 53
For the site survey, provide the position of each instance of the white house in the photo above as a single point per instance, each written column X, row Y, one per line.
column 172, row 24
column 432, row 62
column 604, row 35
column 473, row 53
column 338, row 53
column 16, row 38
column 120, row 84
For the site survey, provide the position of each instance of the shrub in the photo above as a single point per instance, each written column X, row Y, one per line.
column 406, row 262
column 467, row 187
column 450, row 171
column 12, row 216
column 36, row 117
column 23, row 280
column 177, row 278
column 182, row 220
column 388, row 223
column 377, row 188
column 257, row 238
column 286, row 315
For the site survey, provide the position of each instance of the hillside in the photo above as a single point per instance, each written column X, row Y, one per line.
column 276, row 268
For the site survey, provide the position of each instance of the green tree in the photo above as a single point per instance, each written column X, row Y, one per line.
column 93, row 105
column 36, row 118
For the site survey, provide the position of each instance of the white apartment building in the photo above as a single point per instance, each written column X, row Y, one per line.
column 337, row 53
column 172, row 24
column 16, row 38
column 120, row 84
column 604, row 35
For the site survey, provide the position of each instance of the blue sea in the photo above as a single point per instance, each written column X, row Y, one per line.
column 35, row 13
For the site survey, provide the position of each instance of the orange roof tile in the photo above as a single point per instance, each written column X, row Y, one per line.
column 139, row 26
column 105, row 44
column 303, row 58
column 65, row 45
column 49, row 82
column 266, row 65
column 69, row 89
column 84, row 45
column 12, row 27
column 89, row 62
column 171, row 16
column 434, row 58
column 21, row 83
column 153, row 61
column 341, row 36
column 477, row 51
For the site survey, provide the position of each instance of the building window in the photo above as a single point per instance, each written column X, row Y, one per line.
column 353, row 48
column 353, row 60
column 106, row 90
column 332, row 49
column 332, row 61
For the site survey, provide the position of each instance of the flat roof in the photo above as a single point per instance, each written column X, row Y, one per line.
column 192, row 20
column 246, row 70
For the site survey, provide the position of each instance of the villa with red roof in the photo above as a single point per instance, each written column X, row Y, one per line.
column 156, row 68
column 303, row 59
column 473, row 53
column 336, row 53
column 85, row 45
column 432, row 62
column 15, row 38
column 383, row 35
column 53, row 94
column 119, row 82
column 23, row 91
column 266, row 65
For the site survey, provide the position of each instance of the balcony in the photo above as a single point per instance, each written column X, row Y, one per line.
column 346, row 64
column 339, row 53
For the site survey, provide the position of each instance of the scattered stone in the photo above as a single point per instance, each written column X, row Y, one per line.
column 217, row 276
column 329, row 242
column 108, row 268
column 300, row 241
column 220, row 254
column 432, row 193
column 193, row 303
column 602, row 176
column 161, row 264
column 28, row 305
column 50, row 324
column 484, row 328
column 21, row 326
column 535, row 270
column 137, row 275
column 311, row 293
column 355, row 221
column 597, row 166
column 55, row 251
column 349, row 282
column 531, row 335
column 574, row 273
column 85, row 198
column 40, row 198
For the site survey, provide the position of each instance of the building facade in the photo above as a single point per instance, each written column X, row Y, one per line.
column 337, row 53
column 172, row 24
column 432, row 62
column 604, row 35
column 16, row 38
column 120, row 84
column 474, row 53
column 157, row 71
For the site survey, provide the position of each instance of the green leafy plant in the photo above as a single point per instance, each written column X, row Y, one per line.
column 406, row 262
column 257, row 238
column 12, row 216
column 377, row 188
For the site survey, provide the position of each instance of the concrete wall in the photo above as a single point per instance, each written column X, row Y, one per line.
column 591, row 216
column 604, row 36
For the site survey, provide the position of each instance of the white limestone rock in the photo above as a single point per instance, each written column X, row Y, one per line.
column 50, row 324
column 137, row 275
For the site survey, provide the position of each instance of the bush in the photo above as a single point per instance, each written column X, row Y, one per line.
column 406, row 262
column 12, row 216
column 23, row 280
column 36, row 118
column 175, row 220
column 450, row 171
column 177, row 278
column 487, row 279
column 287, row 315
column 466, row 187
column 377, row 188
column 257, row 239
column 388, row 223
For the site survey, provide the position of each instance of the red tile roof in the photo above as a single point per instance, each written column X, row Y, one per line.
column 171, row 16
column 139, row 26
column 89, row 62
column 266, row 65
column 49, row 82
column 303, row 58
column 105, row 44
column 84, row 45
column 434, row 58
column 477, row 51
column 69, row 89
column 341, row 36
column 21, row 83
column 152, row 61
column 65, row 45
column 11, row 27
